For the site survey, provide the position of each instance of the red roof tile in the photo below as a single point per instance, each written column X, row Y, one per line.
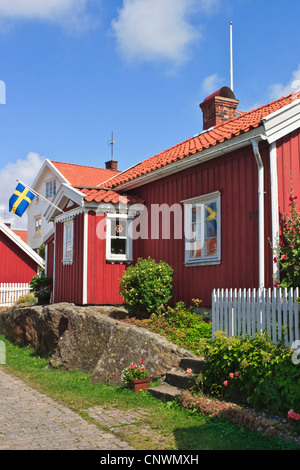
column 22, row 234
column 82, row 175
column 225, row 131
column 108, row 195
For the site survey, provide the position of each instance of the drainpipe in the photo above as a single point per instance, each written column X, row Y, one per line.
column 261, row 229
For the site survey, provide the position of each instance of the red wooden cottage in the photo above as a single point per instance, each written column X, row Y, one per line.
column 207, row 206
column 18, row 262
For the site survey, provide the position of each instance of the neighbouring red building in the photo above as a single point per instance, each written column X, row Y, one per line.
column 18, row 262
column 208, row 206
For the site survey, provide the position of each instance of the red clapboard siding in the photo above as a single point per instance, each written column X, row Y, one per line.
column 69, row 278
column 288, row 160
column 50, row 256
column 103, row 277
column 235, row 176
column 15, row 265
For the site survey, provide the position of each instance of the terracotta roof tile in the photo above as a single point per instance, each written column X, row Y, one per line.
column 225, row 131
column 107, row 195
column 82, row 175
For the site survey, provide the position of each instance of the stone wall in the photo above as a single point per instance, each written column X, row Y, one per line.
column 82, row 338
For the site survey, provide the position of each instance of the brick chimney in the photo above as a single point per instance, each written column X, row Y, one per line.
column 111, row 165
column 219, row 107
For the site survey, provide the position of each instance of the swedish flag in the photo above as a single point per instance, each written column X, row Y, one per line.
column 20, row 200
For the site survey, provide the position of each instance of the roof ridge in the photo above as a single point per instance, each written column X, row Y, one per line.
column 85, row 166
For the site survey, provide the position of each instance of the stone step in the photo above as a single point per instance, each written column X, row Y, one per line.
column 197, row 364
column 179, row 378
column 165, row 392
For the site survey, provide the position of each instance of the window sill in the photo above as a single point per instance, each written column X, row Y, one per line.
column 119, row 260
column 189, row 264
column 67, row 262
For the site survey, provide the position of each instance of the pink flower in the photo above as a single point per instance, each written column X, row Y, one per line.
column 189, row 371
column 225, row 383
column 131, row 366
column 292, row 246
column 293, row 415
column 236, row 374
column 142, row 368
column 231, row 375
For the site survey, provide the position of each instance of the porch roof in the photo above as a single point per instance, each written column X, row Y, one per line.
column 96, row 194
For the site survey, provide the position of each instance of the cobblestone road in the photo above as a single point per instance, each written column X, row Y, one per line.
column 30, row 420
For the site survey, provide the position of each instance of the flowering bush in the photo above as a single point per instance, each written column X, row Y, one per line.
column 288, row 252
column 146, row 285
column 41, row 284
column 134, row 372
column 267, row 379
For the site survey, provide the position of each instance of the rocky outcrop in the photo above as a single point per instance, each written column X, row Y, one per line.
column 85, row 339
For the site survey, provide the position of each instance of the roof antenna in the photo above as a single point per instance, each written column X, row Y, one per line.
column 112, row 142
column 231, row 58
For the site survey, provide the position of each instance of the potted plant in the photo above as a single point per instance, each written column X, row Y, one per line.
column 42, row 287
column 136, row 377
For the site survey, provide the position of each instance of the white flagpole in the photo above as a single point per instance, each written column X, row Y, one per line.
column 39, row 195
column 231, row 58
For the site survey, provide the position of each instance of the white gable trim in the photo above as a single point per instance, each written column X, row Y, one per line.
column 282, row 122
column 21, row 244
column 47, row 163
column 65, row 191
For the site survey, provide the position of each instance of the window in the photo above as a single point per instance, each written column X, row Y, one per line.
column 202, row 230
column 118, row 241
column 68, row 241
column 38, row 225
column 50, row 189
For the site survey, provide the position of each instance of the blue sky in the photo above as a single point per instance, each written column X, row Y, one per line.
column 76, row 70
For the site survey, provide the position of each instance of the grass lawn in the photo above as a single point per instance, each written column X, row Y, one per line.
column 167, row 426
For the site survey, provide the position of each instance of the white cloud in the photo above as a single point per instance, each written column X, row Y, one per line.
column 212, row 83
column 25, row 170
column 277, row 90
column 151, row 30
column 67, row 12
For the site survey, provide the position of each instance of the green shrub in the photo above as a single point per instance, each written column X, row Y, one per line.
column 182, row 326
column 146, row 285
column 253, row 371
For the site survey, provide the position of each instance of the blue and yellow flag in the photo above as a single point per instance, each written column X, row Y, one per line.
column 20, row 200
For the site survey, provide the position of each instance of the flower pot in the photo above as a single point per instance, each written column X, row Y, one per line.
column 44, row 298
column 139, row 384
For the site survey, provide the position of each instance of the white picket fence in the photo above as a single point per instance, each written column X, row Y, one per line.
column 247, row 312
column 11, row 292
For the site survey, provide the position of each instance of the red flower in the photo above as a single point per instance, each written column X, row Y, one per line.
column 276, row 284
column 142, row 361
column 225, row 383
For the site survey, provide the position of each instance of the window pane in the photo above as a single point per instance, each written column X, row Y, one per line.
column 195, row 235
column 68, row 249
column 118, row 246
column 211, row 229
column 118, row 228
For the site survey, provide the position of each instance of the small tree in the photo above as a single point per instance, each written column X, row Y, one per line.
column 288, row 253
column 146, row 285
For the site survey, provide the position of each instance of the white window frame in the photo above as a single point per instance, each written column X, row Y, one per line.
column 37, row 225
column 68, row 230
column 202, row 201
column 127, row 257
column 50, row 188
